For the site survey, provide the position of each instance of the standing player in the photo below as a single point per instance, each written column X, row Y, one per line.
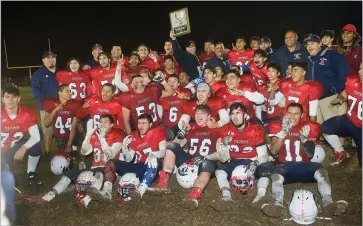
column 244, row 93
column 258, row 69
column 349, row 124
column 17, row 123
column 61, row 115
column 116, row 54
column 141, row 99
column 200, row 147
column 169, row 65
column 142, row 150
column 247, row 147
column 294, row 143
column 210, row 76
column 134, row 67
column 78, row 80
column 240, row 56
column 298, row 90
column 104, row 142
column 208, row 52
column 146, row 58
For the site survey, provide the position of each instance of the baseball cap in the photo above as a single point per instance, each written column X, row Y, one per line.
column 349, row 27
column 97, row 46
column 329, row 33
column 265, row 39
column 311, row 38
column 48, row 53
column 190, row 42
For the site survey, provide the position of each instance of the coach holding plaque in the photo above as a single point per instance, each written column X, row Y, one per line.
column 188, row 60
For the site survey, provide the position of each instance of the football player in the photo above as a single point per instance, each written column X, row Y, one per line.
column 258, row 69
column 18, row 122
column 134, row 67
column 199, row 146
column 245, row 147
column 78, row 80
column 245, row 93
column 298, row 90
column 169, row 65
column 349, row 124
column 146, row 58
column 105, row 143
column 208, row 52
column 294, row 143
column 116, row 54
column 210, row 75
column 240, row 56
column 142, row 150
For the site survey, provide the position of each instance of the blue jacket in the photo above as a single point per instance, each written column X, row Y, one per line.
column 215, row 61
column 43, row 85
column 187, row 61
column 283, row 56
column 92, row 63
column 330, row 69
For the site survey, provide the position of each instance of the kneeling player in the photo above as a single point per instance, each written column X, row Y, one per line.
column 294, row 143
column 199, row 145
column 105, row 143
column 16, row 123
column 246, row 146
column 142, row 150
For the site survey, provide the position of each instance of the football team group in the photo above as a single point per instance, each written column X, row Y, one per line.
column 248, row 116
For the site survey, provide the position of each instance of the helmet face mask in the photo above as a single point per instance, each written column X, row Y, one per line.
column 126, row 187
column 81, row 189
column 241, row 183
column 187, row 173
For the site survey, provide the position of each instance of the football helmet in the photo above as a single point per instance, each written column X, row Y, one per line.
column 303, row 207
column 88, row 179
column 59, row 163
column 186, row 174
column 127, row 185
column 240, row 181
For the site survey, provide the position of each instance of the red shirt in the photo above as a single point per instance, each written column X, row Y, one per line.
column 79, row 83
column 204, row 57
column 99, row 157
column 260, row 76
column 150, row 64
column 240, row 58
column 13, row 130
column 353, row 87
column 130, row 71
column 218, row 85
column 149, row 143
column 201, row 141
column 62, row 122
column 292, row 150
column 101, row 76
column 172, row 107
column 214, row 103
column 303, row 94
column 244, row 143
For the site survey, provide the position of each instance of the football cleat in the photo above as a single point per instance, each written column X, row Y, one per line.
column 163, row 183
column 33, row 180
column 224, row 204
column 276, row 209
column 340, row 157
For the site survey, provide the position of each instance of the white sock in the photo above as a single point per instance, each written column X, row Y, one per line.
column 262, row 185
column 142, row 188
column 86, row 200
column 222, row 181
column 278, row 188
column 334, row 141
column 107, row 186
column 62, row 185
column 322, row 178
column 32, row 163
column 49, row 196
column 226, row 193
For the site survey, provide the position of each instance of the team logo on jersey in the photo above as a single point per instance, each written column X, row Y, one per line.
column 322, row 61
column 47, row 76
column 297, row 56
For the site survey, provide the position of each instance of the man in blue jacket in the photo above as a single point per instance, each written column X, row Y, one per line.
column 219, row 59
column 292, row 51
column 330, row 69
column 188, row 60
column 44, row 85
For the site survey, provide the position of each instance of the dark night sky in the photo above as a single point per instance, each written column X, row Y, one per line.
column 73, row 27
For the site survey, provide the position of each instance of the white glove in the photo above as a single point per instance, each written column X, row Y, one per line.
column 251, row 168
column 281, row 104
column 101, row 133
column 90, row 128
column 153, row 57
column 126, row 141
column 223, row 149
column 152, row 161
column 304, row 132
column 286, row 126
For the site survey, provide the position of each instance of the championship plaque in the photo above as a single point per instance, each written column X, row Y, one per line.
column 179, row 21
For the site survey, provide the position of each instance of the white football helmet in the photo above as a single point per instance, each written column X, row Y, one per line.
column 303, row 207
column 88, row 179
column 186, row 174
column 319, row 154
column 240, row 181
column 127, row 184
column 59, row 163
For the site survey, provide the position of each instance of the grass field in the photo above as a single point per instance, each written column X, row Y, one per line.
column 163, row 209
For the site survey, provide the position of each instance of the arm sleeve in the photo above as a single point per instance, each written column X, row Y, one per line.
column 178, row 52
column 278, row 98
column 113, row 149
column 34, row 136
column 254, row 97
column 118, row 83
column 86, row 148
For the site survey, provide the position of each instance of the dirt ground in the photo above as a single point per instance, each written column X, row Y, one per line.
column 163, row 209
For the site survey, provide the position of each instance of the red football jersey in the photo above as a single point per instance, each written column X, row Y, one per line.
column 243, row 144
column 101, row 76
column 214, row 103
column 218, row 85
column 13, row 130
column 62, row 123
column 293, row 151
column 99, row 107
column 149, row 143
column 276, row 110
column 204, row 57
column 172, row 107
column 353, row 87
column 240, row 58
column 79, row 83
column 99, row 157
column 130, row 71
column 145, row 102
column 260, row 76
column 230, row 99
column 309, row 91
column 201, row 141
column 150, row 64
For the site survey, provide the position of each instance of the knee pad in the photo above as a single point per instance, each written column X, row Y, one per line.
column 35, row 150
column 110, row 171
column 208, row 166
